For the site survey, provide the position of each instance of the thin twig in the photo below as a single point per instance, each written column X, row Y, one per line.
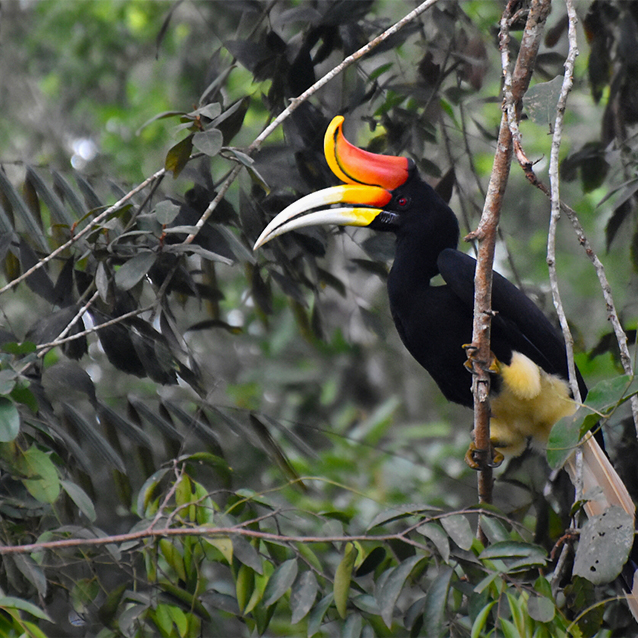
column 241, row 529
column 296, row 102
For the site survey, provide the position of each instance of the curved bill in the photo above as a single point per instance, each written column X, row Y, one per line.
column 356, row 166
column 366, row 204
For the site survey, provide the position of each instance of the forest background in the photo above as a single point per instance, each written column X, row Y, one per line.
column 249, row 424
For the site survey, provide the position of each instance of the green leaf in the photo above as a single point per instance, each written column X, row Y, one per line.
column 80, row 498
column 318, row 612
column 481, row 620
column 9, row 602
column 508, row 628
column 131, row 272
column 343, row 576
column 604, row 546
column 83, row 593
column 396, row 513
column 173, row 557
column 178, row 156
column 541, row 609
column 436, row 602
column 166, row 211
column 209, row 142
column 247, row 554
column 7, row 381
column 437, row 535
column 389, row 593
column 40, row 475
column 459, row 530
column 32, row 572
column 244, row 585
column 9, row 420
column 279, row 583
column 352, row 627
column 303, row 595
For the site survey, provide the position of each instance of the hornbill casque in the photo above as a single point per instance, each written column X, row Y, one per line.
column 529, row 370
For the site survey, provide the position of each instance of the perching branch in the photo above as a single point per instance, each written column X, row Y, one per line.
column 515, row 86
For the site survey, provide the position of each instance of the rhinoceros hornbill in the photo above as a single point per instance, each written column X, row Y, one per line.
column 529, row 370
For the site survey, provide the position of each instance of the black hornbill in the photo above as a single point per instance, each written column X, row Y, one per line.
column 529, row 388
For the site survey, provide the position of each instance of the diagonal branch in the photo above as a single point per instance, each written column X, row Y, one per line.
column 298, row 101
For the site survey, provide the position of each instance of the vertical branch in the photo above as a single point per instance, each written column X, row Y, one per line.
column 554, row 186
column 515, row 86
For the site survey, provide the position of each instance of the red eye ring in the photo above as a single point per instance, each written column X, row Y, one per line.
column 402, row 201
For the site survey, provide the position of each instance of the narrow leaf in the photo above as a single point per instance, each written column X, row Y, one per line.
column 247, row 554
column 80, row 498
column 343, row 576
column 21, row 211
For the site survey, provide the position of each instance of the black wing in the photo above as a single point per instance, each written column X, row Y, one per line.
column 518, row 325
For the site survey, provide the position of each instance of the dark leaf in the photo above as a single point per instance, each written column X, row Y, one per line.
column 371, row 561
column 58, row 210
column 231, row 120
column 67, row 194
column 90, row 196
column 246, row 553
column 178, row 156
column 274, row 451
column 127, row 428
column 196, row 423
column 164, row 28
column 39, row 281
column 95, row 440
column 618, row 216
column 160, row 423
column 22, row 212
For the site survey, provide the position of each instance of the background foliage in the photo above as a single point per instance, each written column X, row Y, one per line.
column 268, row 392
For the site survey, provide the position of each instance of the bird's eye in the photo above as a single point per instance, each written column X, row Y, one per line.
column 402, row 202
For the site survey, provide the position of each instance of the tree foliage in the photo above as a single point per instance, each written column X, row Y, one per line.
column 236, row 443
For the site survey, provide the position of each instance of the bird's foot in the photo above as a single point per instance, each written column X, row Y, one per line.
column 471, row 352
column 483, row 459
